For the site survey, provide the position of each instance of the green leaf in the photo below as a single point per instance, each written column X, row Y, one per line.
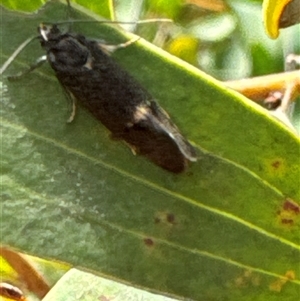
column 27, row 6
column 99, row 7
column 77, row 284
column 228, row 228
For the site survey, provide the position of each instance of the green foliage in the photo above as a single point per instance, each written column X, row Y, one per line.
column 226, row 229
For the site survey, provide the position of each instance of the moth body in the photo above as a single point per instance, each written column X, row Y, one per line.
column 115, row 98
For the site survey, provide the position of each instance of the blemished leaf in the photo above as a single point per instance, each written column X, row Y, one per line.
column 228, row 228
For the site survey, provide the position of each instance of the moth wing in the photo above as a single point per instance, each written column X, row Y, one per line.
column 161, row 121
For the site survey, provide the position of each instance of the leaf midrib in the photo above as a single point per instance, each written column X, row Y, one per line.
column 149, row 184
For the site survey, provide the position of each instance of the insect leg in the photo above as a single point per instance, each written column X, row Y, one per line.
column 111, row 48
column 72, row 99
column 69, row 15
column 15, row 54
column 133, row 149
column 69, row 8
column 73, row 113
column 39, row 62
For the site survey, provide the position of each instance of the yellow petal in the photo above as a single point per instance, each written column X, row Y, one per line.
column 272, row 10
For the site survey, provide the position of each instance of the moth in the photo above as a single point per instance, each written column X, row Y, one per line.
column 92, row 77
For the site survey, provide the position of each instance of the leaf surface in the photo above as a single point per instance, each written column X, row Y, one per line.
column 227, row 228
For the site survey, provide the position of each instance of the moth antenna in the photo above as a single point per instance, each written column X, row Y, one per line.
column 16, row 53
column 69, row 14
column 154, row 20
column 69, row 6
column 110, row 22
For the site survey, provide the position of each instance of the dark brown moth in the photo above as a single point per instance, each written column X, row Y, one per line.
column 124, row 107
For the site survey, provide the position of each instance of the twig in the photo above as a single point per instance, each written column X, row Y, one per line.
column 258, row 88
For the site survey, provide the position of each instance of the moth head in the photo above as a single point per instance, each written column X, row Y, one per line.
column 48, row 32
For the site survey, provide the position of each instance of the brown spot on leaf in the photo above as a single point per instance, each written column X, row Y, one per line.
column 171, row 218
column 240, row 282
column 290, row 275
column 148, row 242
column 247, row 279
column 278, row 284
column 290, row 205
column 276, row 164
column 287, row 221
column 166, row 218
column 157, row 220
column 289, row 213
column 276, row 167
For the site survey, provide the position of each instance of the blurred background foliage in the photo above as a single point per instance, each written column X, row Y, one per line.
column 225, row 39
